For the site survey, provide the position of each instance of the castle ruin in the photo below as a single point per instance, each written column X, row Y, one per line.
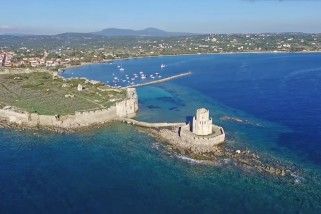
column 123, row 109
column 129, row 106
column 201, row 132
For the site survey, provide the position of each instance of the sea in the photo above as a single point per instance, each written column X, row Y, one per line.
column 267, row 103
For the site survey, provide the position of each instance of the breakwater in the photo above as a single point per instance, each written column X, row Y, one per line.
column 161, row 80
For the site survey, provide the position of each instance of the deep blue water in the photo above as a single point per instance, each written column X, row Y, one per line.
column 121, row 169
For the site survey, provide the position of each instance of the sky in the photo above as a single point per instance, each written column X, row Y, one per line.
column 195, row 16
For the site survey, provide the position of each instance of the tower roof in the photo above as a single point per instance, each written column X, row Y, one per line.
column 202, row 110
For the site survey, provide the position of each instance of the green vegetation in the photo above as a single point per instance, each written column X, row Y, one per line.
column 39, row 92
column 74, row 48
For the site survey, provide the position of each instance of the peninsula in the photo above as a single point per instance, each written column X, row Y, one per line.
column 33, row 99
column 45, row 100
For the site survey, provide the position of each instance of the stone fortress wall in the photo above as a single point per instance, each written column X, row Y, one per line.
column 202, row 131
column 217, row 137
column 124, row 109
column 129, row 107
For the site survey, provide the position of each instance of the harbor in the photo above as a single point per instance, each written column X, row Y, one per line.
column 160, row 80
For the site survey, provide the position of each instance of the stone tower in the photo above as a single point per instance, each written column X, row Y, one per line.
column 202, row 123
column 80, row 88
column 131, row 93
column 129, row 106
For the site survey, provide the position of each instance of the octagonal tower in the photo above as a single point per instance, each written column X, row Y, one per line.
column 202, row 123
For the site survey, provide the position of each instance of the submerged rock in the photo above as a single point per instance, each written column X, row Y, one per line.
column 223, row 154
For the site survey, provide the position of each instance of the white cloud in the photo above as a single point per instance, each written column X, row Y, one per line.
column 6, row 27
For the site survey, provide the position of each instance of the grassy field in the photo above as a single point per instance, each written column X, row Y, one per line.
column 39, row 92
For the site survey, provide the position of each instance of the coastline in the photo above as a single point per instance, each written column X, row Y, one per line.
column 192, row 54
column 86, row 64
column 224, row 155
column 61, row 106
column 13, row 126
column 11, row 117
column 245, row 159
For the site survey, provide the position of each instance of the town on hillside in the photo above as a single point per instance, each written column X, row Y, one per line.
column 71, row 49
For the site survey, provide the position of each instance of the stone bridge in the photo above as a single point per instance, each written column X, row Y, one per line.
column 150, row 125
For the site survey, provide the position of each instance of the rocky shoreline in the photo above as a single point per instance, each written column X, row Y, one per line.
column 21, row 127
column 224, row 154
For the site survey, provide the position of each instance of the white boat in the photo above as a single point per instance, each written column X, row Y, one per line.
column 163, row 65
column 121, row 68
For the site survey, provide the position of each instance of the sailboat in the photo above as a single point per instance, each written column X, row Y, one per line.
column 121, row 68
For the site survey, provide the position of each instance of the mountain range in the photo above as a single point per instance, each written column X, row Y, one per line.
column 116, row 32
column 148, row 32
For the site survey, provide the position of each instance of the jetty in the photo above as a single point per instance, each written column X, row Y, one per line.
column 161, row 80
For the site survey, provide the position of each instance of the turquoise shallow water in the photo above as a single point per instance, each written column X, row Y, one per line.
column 119, row 168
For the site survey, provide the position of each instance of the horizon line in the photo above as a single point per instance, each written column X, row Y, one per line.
column 195, row 34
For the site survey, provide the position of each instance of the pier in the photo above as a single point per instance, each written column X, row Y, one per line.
column 161, row 80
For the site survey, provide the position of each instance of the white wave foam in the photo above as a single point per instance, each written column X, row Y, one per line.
column 187, row 159
column 194, row 161
column 297, row 179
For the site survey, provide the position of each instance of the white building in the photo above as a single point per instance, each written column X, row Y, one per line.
column 80, row 88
